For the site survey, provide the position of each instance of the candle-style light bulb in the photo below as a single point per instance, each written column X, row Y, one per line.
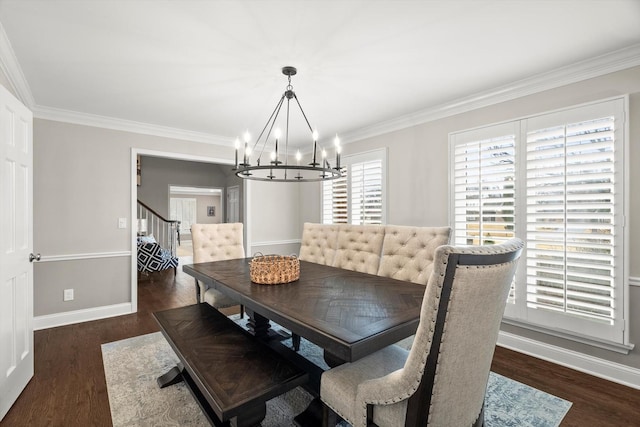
column 336, row 141
column 247, row 150
column 273, row 156
column 277, row 134
column 298, row 157
column 315, row 142
column 236, row 144
column 324, row 153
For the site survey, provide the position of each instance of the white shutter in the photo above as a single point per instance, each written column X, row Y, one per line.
column 572, row 235
column 556, row 181
column 334, row 201
column 484, row 178
column 366, row 192
column 358, row 197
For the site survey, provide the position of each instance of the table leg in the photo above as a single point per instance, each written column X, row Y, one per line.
column 312, row 416
column 258, row 325
column 332, row 360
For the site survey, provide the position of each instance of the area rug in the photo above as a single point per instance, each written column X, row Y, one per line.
column 131, row 367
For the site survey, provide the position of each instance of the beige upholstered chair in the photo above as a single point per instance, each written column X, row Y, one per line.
column 359, row 248
column 442, row 380
column 216, row 242
column 408, row 252
column 318, row 243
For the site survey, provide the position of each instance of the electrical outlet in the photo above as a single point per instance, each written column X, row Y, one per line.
column 122, row 222
column 68, row 295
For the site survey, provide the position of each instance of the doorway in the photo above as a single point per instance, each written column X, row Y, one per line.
column 194, row 205
column 169, row 179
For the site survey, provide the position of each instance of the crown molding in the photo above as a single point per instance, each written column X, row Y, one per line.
column 11, row 68
column 583, row 70
column 594, row 67
column 86, row 119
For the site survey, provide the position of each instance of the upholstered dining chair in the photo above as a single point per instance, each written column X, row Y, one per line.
column 442, row 380
column 216, row 242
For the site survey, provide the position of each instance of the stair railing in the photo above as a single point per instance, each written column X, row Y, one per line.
column 165, row 231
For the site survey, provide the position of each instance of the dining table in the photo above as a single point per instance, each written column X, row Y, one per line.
column 349, row 314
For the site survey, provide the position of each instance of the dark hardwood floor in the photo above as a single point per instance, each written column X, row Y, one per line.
column 69, row 389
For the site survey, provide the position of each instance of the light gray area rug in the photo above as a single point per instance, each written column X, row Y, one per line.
column 131, row 367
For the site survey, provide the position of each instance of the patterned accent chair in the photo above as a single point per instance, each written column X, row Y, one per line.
column 439, row 382
column 216, row 242
column 153, row 257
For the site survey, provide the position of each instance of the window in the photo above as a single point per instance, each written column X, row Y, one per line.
column 557, row 181
column 358, row 197
column 183, row 210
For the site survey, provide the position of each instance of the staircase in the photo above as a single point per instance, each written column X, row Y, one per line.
column 165, row 231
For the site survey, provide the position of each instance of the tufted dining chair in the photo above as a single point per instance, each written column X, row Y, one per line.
column 216, row 242
column 442, row 380
column 408, row 252
column 318, row 243
column 359, row 247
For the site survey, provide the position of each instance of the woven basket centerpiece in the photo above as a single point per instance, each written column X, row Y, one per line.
column 274, row 269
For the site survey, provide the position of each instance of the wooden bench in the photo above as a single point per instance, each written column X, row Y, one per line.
column 229, row 372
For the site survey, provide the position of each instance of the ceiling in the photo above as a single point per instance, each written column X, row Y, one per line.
column 213, row 67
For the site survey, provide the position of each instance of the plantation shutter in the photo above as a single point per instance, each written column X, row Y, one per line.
column 358, row 197
column 335, row 206
column 484, row 178
column 366, row 192
column 574, row 222
column 556, row 181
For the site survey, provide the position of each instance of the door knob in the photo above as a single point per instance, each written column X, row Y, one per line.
column 33, row 257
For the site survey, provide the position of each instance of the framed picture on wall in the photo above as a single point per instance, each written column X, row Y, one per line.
column 211, row 211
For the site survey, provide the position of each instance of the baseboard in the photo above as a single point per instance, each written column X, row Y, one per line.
column 611, row 371
column 78, row 316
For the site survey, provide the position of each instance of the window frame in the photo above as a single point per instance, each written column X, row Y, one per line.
column 519, row 313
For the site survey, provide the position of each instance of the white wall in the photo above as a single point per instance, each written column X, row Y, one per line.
column 274, row 209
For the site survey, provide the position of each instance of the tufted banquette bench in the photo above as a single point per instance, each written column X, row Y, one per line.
column 400, row 252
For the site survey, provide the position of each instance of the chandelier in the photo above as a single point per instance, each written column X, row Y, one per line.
column 272, row 163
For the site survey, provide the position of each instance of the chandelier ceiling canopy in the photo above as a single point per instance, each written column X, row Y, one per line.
column 268, row 158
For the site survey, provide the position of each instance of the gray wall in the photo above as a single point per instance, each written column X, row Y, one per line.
column 82, row 185
column 418, row 176
column 158, row 173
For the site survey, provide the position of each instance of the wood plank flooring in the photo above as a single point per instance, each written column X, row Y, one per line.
column 69, row 389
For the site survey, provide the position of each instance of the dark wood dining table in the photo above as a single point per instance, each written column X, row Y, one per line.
column 347, row 313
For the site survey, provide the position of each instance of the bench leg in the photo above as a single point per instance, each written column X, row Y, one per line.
column 295, row 342
column 198, row 300
column 171, row 377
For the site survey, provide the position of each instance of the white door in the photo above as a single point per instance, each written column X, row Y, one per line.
column 16, row 244
column 233, row 204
